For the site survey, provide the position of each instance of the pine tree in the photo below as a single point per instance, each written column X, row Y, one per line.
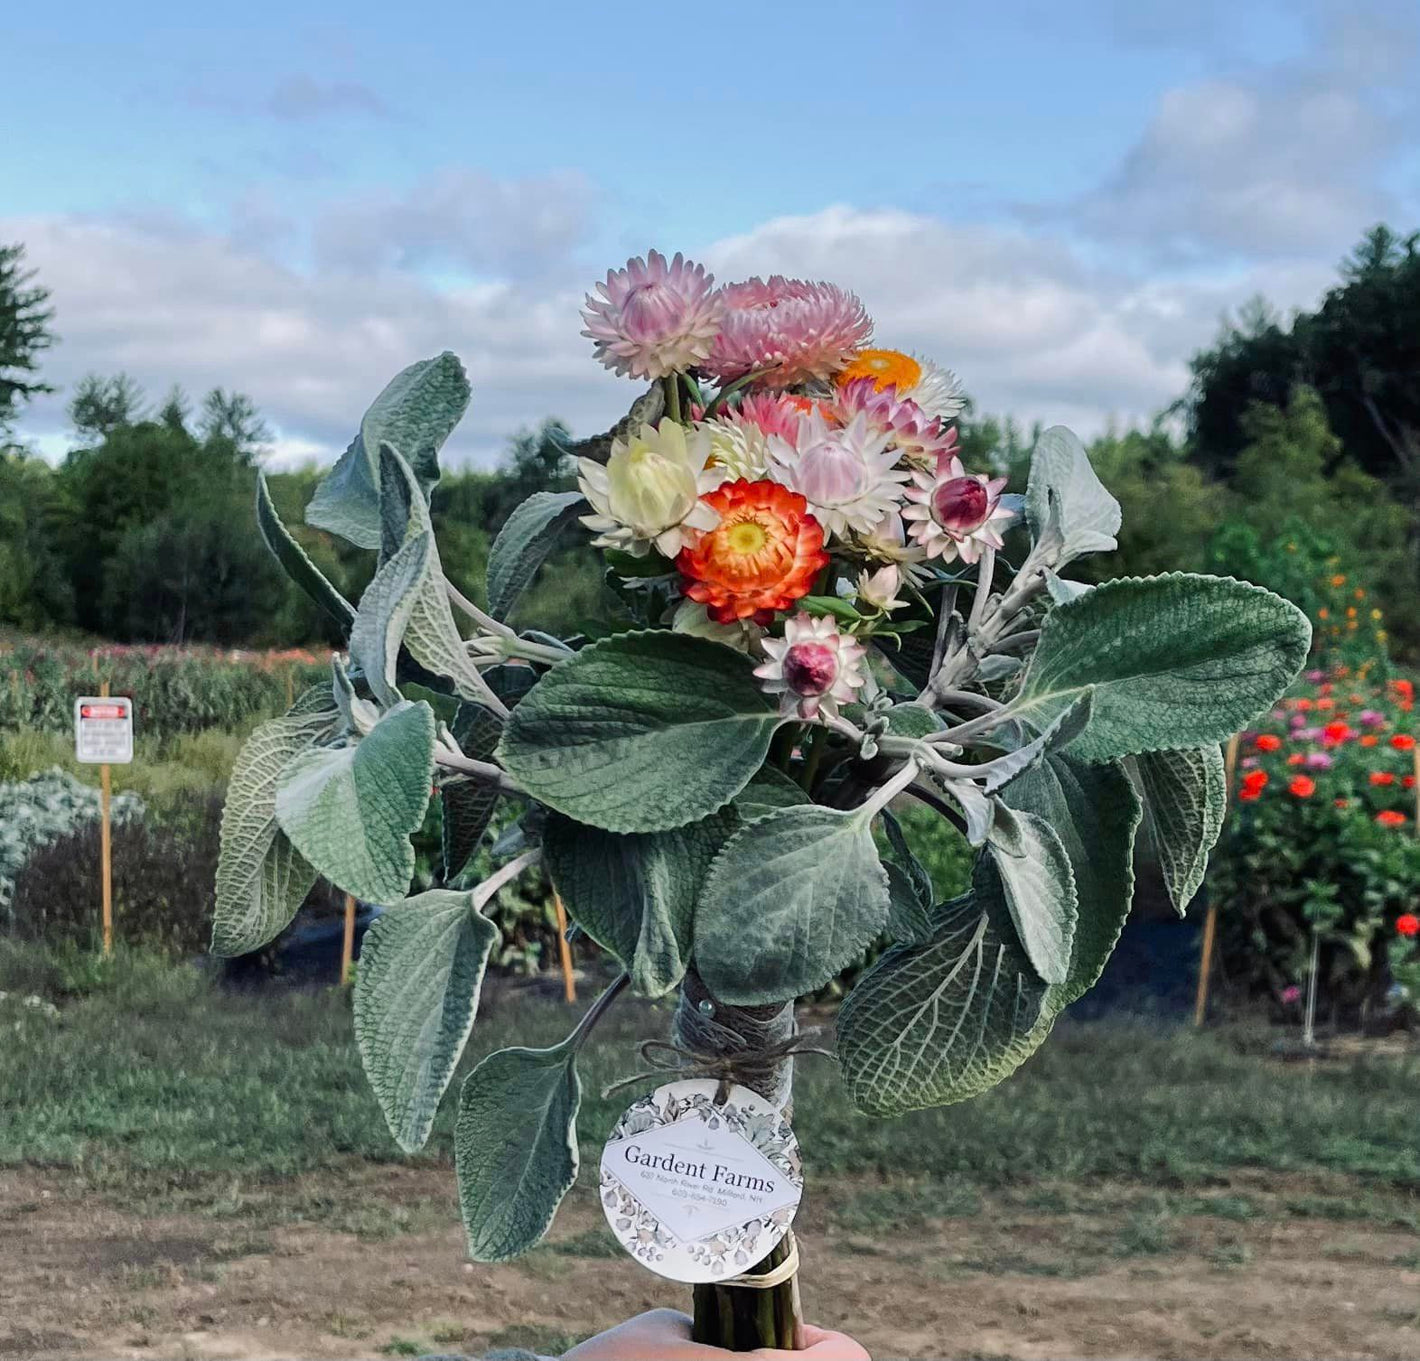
column 24, row 331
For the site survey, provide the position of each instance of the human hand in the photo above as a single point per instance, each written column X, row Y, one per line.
column 664, row 1335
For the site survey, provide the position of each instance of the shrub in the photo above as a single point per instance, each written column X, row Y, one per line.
column 47, row 808
column 163, row 875
column 1323, row 837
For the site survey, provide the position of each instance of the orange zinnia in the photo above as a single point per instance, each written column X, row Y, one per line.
column 1303, row 787
column 1268, row 741
column 762, row 557
column 1390, row 818
column 1382, row 777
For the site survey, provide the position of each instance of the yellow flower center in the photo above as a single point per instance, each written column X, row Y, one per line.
column 887, row 368
column 746, row 537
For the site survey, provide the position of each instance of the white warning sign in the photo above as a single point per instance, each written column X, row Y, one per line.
column 103, row 730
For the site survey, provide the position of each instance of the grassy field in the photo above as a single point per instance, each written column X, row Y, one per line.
column 235, row 1132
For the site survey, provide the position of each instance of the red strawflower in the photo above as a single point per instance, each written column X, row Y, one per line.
column 1382, row 777
column 1303, row 787
column 1402, row 741
column 1267, row 741
column 763, row 555
column 1390, row 818
column 1407, row 924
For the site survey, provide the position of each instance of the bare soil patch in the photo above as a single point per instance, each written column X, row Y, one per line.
column 342, row 1267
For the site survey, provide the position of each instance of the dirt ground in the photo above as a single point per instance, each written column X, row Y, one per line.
column 1089, row 1278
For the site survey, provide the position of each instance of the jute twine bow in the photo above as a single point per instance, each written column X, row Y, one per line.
column 663, row 1057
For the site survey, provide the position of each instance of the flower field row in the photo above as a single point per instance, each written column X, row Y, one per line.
column 174, row 690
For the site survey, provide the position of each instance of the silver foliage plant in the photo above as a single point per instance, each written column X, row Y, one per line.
column 715, row 844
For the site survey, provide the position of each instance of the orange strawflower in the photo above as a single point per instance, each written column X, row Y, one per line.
column 763, row 556
column 887, row 368
column 1390, row 818
column 1303, row 787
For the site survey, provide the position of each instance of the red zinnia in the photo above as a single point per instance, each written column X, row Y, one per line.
column 1296, row 759
column 1337, row 732
column 1408, row 782
column 1303, row 787
column 763, row 556
column 1390, row 818
column 1249, row 792
column 1382, row 777
column 1254, row 779
column 1408, row 924
column 1402, row 741
column 1342, row 803
column 1268, row 742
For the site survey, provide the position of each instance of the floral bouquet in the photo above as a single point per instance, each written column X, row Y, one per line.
column 820, row 618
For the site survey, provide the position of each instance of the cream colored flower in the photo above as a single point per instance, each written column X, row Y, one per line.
column 649, row 491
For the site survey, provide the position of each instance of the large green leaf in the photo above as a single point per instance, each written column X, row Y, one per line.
column 909, row 887
column 261, row 878
column 293, row 558
column 1039, row 888
column 384, row 614
column 947, row 1018
column 1185, row 799
column 351, row 810
column 528, row 535
column 515, row 1147
column 794, row 898
column 1065, row 496
column 641, row 732
column 635, row 895
column 1094, row 812
column 767, row 790
column 1175, row 661
column 416, row 994
column 415, row 413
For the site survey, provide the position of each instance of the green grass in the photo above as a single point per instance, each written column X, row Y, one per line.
column 156, row 1084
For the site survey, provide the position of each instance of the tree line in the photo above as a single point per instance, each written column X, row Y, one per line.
column 1294, row 454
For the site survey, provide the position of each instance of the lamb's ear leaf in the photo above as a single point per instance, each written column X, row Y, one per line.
column 515, row 1147
column 416, row 996
column 294, row 560
column 1094, row 812
column 385, row 610
column 635, row 895
column 1185, row 799
column 794, row 898
column 416, row 413
column 528, row 535
column 1175, row 661
column 1066, row 497
column 351, row 810
column 1039, row 888
column 641, row 732
column 944, row 1018
column 261, row 878
column 468, row 806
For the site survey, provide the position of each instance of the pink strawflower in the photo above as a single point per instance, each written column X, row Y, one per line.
column 799, row 331
column 812, row 667
column 918, row 435
column 845, row 472
column 654, row 318
column 956, row 513
column 775, row 413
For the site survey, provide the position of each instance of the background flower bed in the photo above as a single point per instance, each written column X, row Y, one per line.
column 1322, row 832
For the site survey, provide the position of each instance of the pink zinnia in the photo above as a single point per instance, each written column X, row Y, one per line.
column 798, row 331
column 654, row 318
column 915, row 433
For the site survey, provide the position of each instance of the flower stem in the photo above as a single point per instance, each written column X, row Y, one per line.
column 672, row 385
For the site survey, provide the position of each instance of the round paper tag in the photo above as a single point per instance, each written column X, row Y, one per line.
column 696, row 1191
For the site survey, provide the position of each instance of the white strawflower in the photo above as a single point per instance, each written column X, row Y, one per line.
column 845, row 473
column 879, row 589
column 649, row 491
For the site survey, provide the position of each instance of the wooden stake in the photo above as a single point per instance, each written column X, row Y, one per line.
column 1210, row 923
column 1416, row 753
column 105, row 844
column 347, row 948
column 290, row 686
column 564, row 949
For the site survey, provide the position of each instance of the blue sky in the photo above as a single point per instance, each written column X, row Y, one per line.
column 1057, row 201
